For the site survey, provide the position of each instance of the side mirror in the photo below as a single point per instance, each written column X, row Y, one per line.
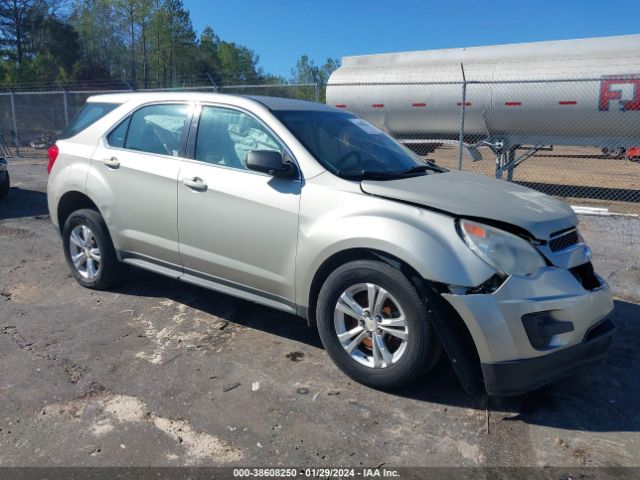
column 271, row 162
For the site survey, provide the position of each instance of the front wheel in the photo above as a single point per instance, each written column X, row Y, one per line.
column 89, row 251
column 374, row 325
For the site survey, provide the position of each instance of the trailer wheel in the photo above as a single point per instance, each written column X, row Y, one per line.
column 4, row 185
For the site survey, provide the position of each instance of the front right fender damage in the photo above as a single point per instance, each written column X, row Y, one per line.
column 454, row 336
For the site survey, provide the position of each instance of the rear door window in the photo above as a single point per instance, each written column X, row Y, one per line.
column 157, row 129
column 88, row 115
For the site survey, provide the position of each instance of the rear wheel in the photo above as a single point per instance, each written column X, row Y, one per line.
column 374, row 325
column 4, row 185
column 89, row 251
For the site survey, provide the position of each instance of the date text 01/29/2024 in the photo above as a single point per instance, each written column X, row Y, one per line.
column 315, row 472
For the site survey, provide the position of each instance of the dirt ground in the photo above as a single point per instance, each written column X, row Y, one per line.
column 163, row 373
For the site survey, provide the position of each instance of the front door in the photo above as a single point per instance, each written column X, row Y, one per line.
column 237, row 227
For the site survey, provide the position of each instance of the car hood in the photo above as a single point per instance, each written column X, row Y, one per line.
column 468, row 195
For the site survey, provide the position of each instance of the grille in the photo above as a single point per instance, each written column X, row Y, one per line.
column 563, row 241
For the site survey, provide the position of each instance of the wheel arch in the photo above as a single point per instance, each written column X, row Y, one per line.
column 452, row 332
column 70, row 202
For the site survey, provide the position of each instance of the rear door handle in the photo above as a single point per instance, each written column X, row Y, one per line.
column 112, row 162
column 196, row 183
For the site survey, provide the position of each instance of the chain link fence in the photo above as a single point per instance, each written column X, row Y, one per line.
column 30, row 121
column 578, row 139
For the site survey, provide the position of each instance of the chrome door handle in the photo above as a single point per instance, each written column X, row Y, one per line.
column 112, row 162
column 196, row 183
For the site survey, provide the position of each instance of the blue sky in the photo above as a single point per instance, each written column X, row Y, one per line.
column 281, row 30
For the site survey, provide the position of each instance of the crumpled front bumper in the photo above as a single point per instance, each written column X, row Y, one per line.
column 520, row 376
column 511, row 364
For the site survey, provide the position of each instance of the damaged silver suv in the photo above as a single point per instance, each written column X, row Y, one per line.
column 315, row 212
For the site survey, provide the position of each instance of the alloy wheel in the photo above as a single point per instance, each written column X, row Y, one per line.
column 371, row 325
column 85, row 253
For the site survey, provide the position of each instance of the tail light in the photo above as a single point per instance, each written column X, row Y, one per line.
column 53, row 154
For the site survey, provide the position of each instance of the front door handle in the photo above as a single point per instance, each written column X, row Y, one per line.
column 196, row 183
column 112, row 162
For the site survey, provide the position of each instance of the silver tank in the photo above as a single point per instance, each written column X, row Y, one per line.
column 575, row 92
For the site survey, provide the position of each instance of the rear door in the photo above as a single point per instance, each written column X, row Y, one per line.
column 136, row 169
column 238, row 228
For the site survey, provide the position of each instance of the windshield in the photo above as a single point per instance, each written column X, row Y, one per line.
column 352, row 148
column 88, row 115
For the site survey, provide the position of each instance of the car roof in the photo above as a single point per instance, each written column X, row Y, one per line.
column 280, row 103
column 272, row 103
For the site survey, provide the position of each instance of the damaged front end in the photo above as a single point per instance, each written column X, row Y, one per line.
column 532, row 323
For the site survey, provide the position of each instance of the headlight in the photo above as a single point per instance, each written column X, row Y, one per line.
column 504, row 251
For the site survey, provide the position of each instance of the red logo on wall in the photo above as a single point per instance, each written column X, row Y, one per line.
column 620, row 93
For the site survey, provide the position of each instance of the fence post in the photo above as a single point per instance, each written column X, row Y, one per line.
column 215, row 87
column 317, row 92
column 462, row 112
column 66, row 107
column 511, row 158
column 14, row 120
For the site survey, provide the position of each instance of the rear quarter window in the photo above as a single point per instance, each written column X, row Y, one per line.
column 88, row 115
column 118, row 135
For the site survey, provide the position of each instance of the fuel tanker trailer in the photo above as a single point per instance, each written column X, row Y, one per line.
column 530, row 96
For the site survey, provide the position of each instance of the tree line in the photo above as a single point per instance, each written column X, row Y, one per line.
column 133, row 43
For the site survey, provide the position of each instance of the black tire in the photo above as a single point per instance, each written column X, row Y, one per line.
column 4, row 186
column 423, row 348
column 111, row 271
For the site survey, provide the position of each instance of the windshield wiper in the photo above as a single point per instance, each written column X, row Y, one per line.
column 390, row 175
column 421, row 168
column 371, row 175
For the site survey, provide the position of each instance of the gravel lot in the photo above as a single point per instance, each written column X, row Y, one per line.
column 164, row 373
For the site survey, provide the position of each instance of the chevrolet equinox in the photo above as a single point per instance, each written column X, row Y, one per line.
column 313, row 211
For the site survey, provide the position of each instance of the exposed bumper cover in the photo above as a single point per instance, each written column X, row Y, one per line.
column 520, row 376
column 510, row 362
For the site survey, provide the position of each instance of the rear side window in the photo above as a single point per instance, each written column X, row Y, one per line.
column 88, row 115
column 156, row 129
